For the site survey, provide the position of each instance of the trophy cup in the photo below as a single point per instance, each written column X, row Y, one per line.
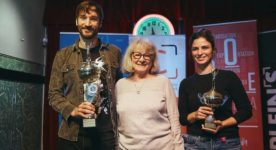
column 90, row 72
column 214, row 100
column 91, row 94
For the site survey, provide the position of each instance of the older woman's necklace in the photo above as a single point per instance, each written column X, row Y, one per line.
column 138, row 88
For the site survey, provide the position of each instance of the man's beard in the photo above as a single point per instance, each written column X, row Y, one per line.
column 88, row 37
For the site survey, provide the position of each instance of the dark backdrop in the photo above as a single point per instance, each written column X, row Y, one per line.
column 121, row 15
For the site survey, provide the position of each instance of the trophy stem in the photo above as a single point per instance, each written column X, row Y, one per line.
column 214, row 73
column 88, row 59
column 209, row 122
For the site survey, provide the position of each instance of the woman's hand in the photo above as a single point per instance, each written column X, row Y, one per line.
column 219, row 125
column 203, row 112
column 200, row 114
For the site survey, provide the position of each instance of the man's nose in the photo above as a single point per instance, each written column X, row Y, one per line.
column 87, row 22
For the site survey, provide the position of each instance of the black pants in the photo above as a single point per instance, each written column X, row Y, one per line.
column 90, row 139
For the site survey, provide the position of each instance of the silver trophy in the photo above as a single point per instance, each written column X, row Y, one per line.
column 86, row 67
column 91, row 94
column 214, row 100
column 90, row 72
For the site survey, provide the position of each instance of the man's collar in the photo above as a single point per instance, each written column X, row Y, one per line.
column 77, row 48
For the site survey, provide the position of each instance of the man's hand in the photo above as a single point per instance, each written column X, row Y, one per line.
column 84, row 110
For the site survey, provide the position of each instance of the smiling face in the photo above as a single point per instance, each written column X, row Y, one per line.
column 202, row 51
column 88, row 23
column 140, row 58
column 142, row 61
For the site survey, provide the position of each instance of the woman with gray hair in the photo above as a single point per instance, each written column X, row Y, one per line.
column 148, row 116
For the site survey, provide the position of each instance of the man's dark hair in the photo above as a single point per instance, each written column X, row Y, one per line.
column 90, row 5
column 205, row 33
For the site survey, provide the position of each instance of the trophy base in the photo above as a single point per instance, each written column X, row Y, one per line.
column 89, row 123
column 210, row 125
